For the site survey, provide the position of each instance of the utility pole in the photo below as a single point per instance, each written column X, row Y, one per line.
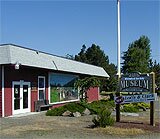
column 118, row 60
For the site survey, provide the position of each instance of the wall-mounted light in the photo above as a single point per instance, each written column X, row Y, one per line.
column 16, row 66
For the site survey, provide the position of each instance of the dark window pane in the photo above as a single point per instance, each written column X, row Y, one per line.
column 41, row 94
column 41, row 82
column 16, row 97
column 25, row 96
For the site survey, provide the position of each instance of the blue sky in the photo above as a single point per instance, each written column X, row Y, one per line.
column 62, row 27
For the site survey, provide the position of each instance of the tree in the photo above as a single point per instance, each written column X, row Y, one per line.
column 85, row 84
column 95, row 56
column 68, row 56
column 82, row 55
column 137, row 57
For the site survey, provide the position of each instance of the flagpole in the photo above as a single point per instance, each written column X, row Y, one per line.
column 118, row 61
column 118, row 36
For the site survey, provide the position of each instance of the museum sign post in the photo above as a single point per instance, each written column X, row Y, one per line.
column 142, row 87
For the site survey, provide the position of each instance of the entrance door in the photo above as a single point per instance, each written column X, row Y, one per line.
column 21, row 97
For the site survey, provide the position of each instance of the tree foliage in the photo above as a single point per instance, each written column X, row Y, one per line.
column 137, row 57
column 85, row 84
column 95, row 56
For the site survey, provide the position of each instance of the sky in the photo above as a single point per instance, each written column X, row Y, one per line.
column 62, row 27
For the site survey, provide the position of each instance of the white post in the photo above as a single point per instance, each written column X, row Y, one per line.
column 3, row 91
column 118, row 42
column 118, row 60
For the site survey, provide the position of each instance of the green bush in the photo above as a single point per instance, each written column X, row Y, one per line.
column 72, row 107
column 103, row 119
column 130, row 108
column 56, row 111
column 134, row 107
column 143, row 104
column 94, row 107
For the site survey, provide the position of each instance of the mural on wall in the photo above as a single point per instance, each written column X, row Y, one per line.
column 62, row 87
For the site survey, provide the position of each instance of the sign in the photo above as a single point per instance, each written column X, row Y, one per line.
column 135, row 82
column 136, row 98
column 34, row 86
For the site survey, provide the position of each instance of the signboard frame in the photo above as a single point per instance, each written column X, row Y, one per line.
column 135, row 82
column 138, row 83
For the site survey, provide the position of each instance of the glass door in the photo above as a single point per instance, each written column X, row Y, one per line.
column 17, row 97
column 21, row 97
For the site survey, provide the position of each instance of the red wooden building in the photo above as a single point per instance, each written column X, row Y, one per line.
column 28, row 76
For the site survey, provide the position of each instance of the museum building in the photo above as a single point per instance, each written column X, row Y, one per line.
column 31, row 79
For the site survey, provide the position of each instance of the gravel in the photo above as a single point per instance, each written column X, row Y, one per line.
column 39, row 126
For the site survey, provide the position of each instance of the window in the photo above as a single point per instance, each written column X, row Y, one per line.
column 62, row 87
column 41, row 87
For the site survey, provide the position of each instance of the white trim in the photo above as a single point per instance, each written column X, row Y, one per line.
column 65, row 101
column 3, row 114
column 98, row 93
column 21, row 110
column 49, row 88
column 14, row 83
column 44, row 88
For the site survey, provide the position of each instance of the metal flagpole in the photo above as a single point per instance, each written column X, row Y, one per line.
column 118, row 60
column 118, row 33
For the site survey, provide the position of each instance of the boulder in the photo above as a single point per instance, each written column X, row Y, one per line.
column 77, row 114
column 86, row 112
column 67, row 113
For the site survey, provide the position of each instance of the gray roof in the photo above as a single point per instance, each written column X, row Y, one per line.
column 11, row 54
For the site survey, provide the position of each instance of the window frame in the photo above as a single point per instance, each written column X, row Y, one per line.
column 49, row 92
column 44, row 88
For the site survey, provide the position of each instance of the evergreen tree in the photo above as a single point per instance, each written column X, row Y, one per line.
column 82, row 55
column 137, row 57
column 95, row 56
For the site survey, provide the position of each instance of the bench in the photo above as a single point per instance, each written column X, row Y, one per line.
column 42, row 105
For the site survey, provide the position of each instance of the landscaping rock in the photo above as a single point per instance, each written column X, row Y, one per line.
column 76, row 114
column 67, row 113
column 86, row 112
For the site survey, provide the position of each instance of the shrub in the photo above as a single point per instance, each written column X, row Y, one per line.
column 143, row 104
column 56, row 111
column 94, row 107
column 130, row 108
column 134, row 107
column 103, row 119
column 72, row 107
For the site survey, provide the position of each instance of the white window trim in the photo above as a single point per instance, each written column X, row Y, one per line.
column 42, row 88
column 3, row 114
column 49, row 88
column 61, row 102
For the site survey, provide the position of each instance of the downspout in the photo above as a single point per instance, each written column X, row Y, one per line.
column 3, row 91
